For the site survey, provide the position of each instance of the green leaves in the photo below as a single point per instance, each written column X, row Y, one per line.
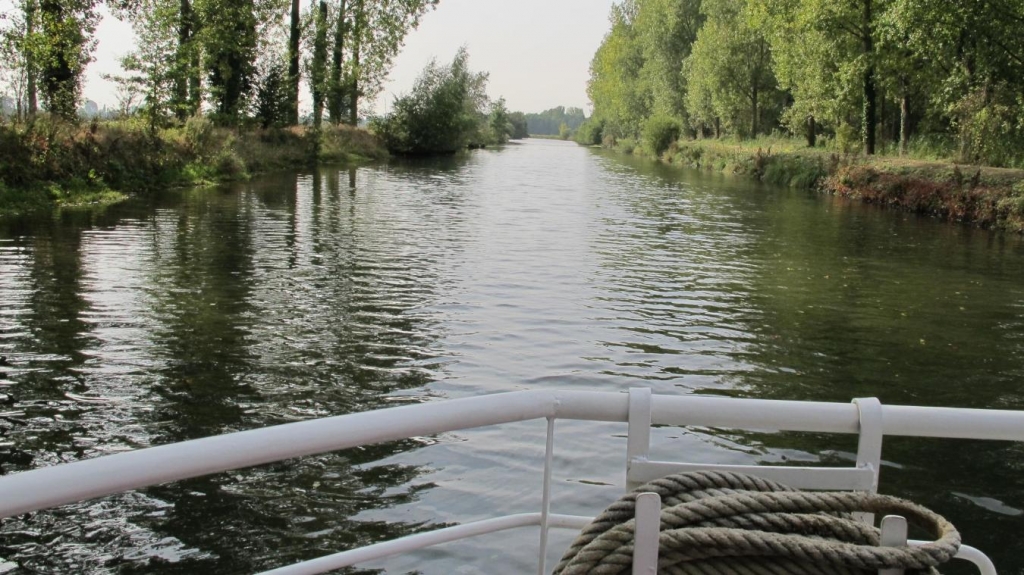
column 616, row 89
column 442, row 115
column 61, row 50
column 729, row 73
column 272, row 105
column 227, row 42
column 951, row 70
column 378, row 32
column 499, row 122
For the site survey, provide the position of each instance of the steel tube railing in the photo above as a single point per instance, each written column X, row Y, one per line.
column 58, row 485
column 808, row 416
column 969, row 554
column 428, row 539
column 820, row 417
column 67, row 483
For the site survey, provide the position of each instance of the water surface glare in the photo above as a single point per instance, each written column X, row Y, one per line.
column 542, row 265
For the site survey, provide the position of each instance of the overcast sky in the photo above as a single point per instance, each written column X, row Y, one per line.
column 537, row 51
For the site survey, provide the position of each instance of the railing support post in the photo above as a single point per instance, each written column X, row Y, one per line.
column 894, row 534
column 647, row 534
column 638, row 440
column 545, row 511
column 869, row 444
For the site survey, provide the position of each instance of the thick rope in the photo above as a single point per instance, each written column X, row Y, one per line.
column 720, row 523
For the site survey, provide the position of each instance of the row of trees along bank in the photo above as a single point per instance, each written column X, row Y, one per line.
column 940, row 78
column 240, row 60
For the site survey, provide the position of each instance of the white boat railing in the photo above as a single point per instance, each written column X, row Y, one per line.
column 68, row 483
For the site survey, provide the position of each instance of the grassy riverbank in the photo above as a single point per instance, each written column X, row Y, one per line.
column 49, row 164
column 982, row 196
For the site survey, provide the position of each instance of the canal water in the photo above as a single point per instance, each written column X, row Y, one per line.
column 541, row 265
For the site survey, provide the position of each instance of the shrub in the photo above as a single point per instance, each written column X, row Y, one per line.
column 590, row 132
column 499, row 124
column 793, row 171
column 847, row 139
column 200, row 137
column 342, row 142
column 932, row 147
column 659, row 132
column 229, row 166
column 441, row 115
column 18, row 150
column 520, row 128
column 271, row 104
column 50, row 161
column 1012, row 206
column 991, row 133
column 564, row 131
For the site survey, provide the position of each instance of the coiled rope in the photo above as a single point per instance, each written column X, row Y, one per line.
column 721, row 523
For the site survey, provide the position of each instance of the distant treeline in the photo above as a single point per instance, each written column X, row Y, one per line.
column 550, row 122
column 890, row 76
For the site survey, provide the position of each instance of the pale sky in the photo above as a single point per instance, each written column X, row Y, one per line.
column 537, row 51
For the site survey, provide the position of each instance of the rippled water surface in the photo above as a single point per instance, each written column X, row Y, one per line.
column 539, row 266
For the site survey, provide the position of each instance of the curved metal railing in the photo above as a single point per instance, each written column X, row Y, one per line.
column 71, row 482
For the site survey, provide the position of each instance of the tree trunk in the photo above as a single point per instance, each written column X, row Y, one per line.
column 183, row 60
column 904, row 118
column 718, row 127
column 336, row 92
column 357, row 30
column 870, row 113
column 30, row 66
column 353, row 111
column 753, row 114
column 293, row 65
column 812, row 132
column 319, row 72
column 195, row 84
column 881, row 115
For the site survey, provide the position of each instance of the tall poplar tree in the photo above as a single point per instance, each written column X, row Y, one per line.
column 31, row 70
column 729, row 74
column 229, row 49
column 294, row 37
column 335, row 84
column 318, row 67
column 62, row 50
column 377, row 29
column 187, row 83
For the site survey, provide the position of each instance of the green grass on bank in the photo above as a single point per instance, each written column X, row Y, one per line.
column 925, row 181
column 49, row 163
column 32, row 199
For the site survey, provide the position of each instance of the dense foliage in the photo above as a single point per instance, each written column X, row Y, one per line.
column 447, row 111
column 520, row 127
column 945, row 77
column 226, row 58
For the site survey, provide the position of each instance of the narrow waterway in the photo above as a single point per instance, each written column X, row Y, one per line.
column 542, row 265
